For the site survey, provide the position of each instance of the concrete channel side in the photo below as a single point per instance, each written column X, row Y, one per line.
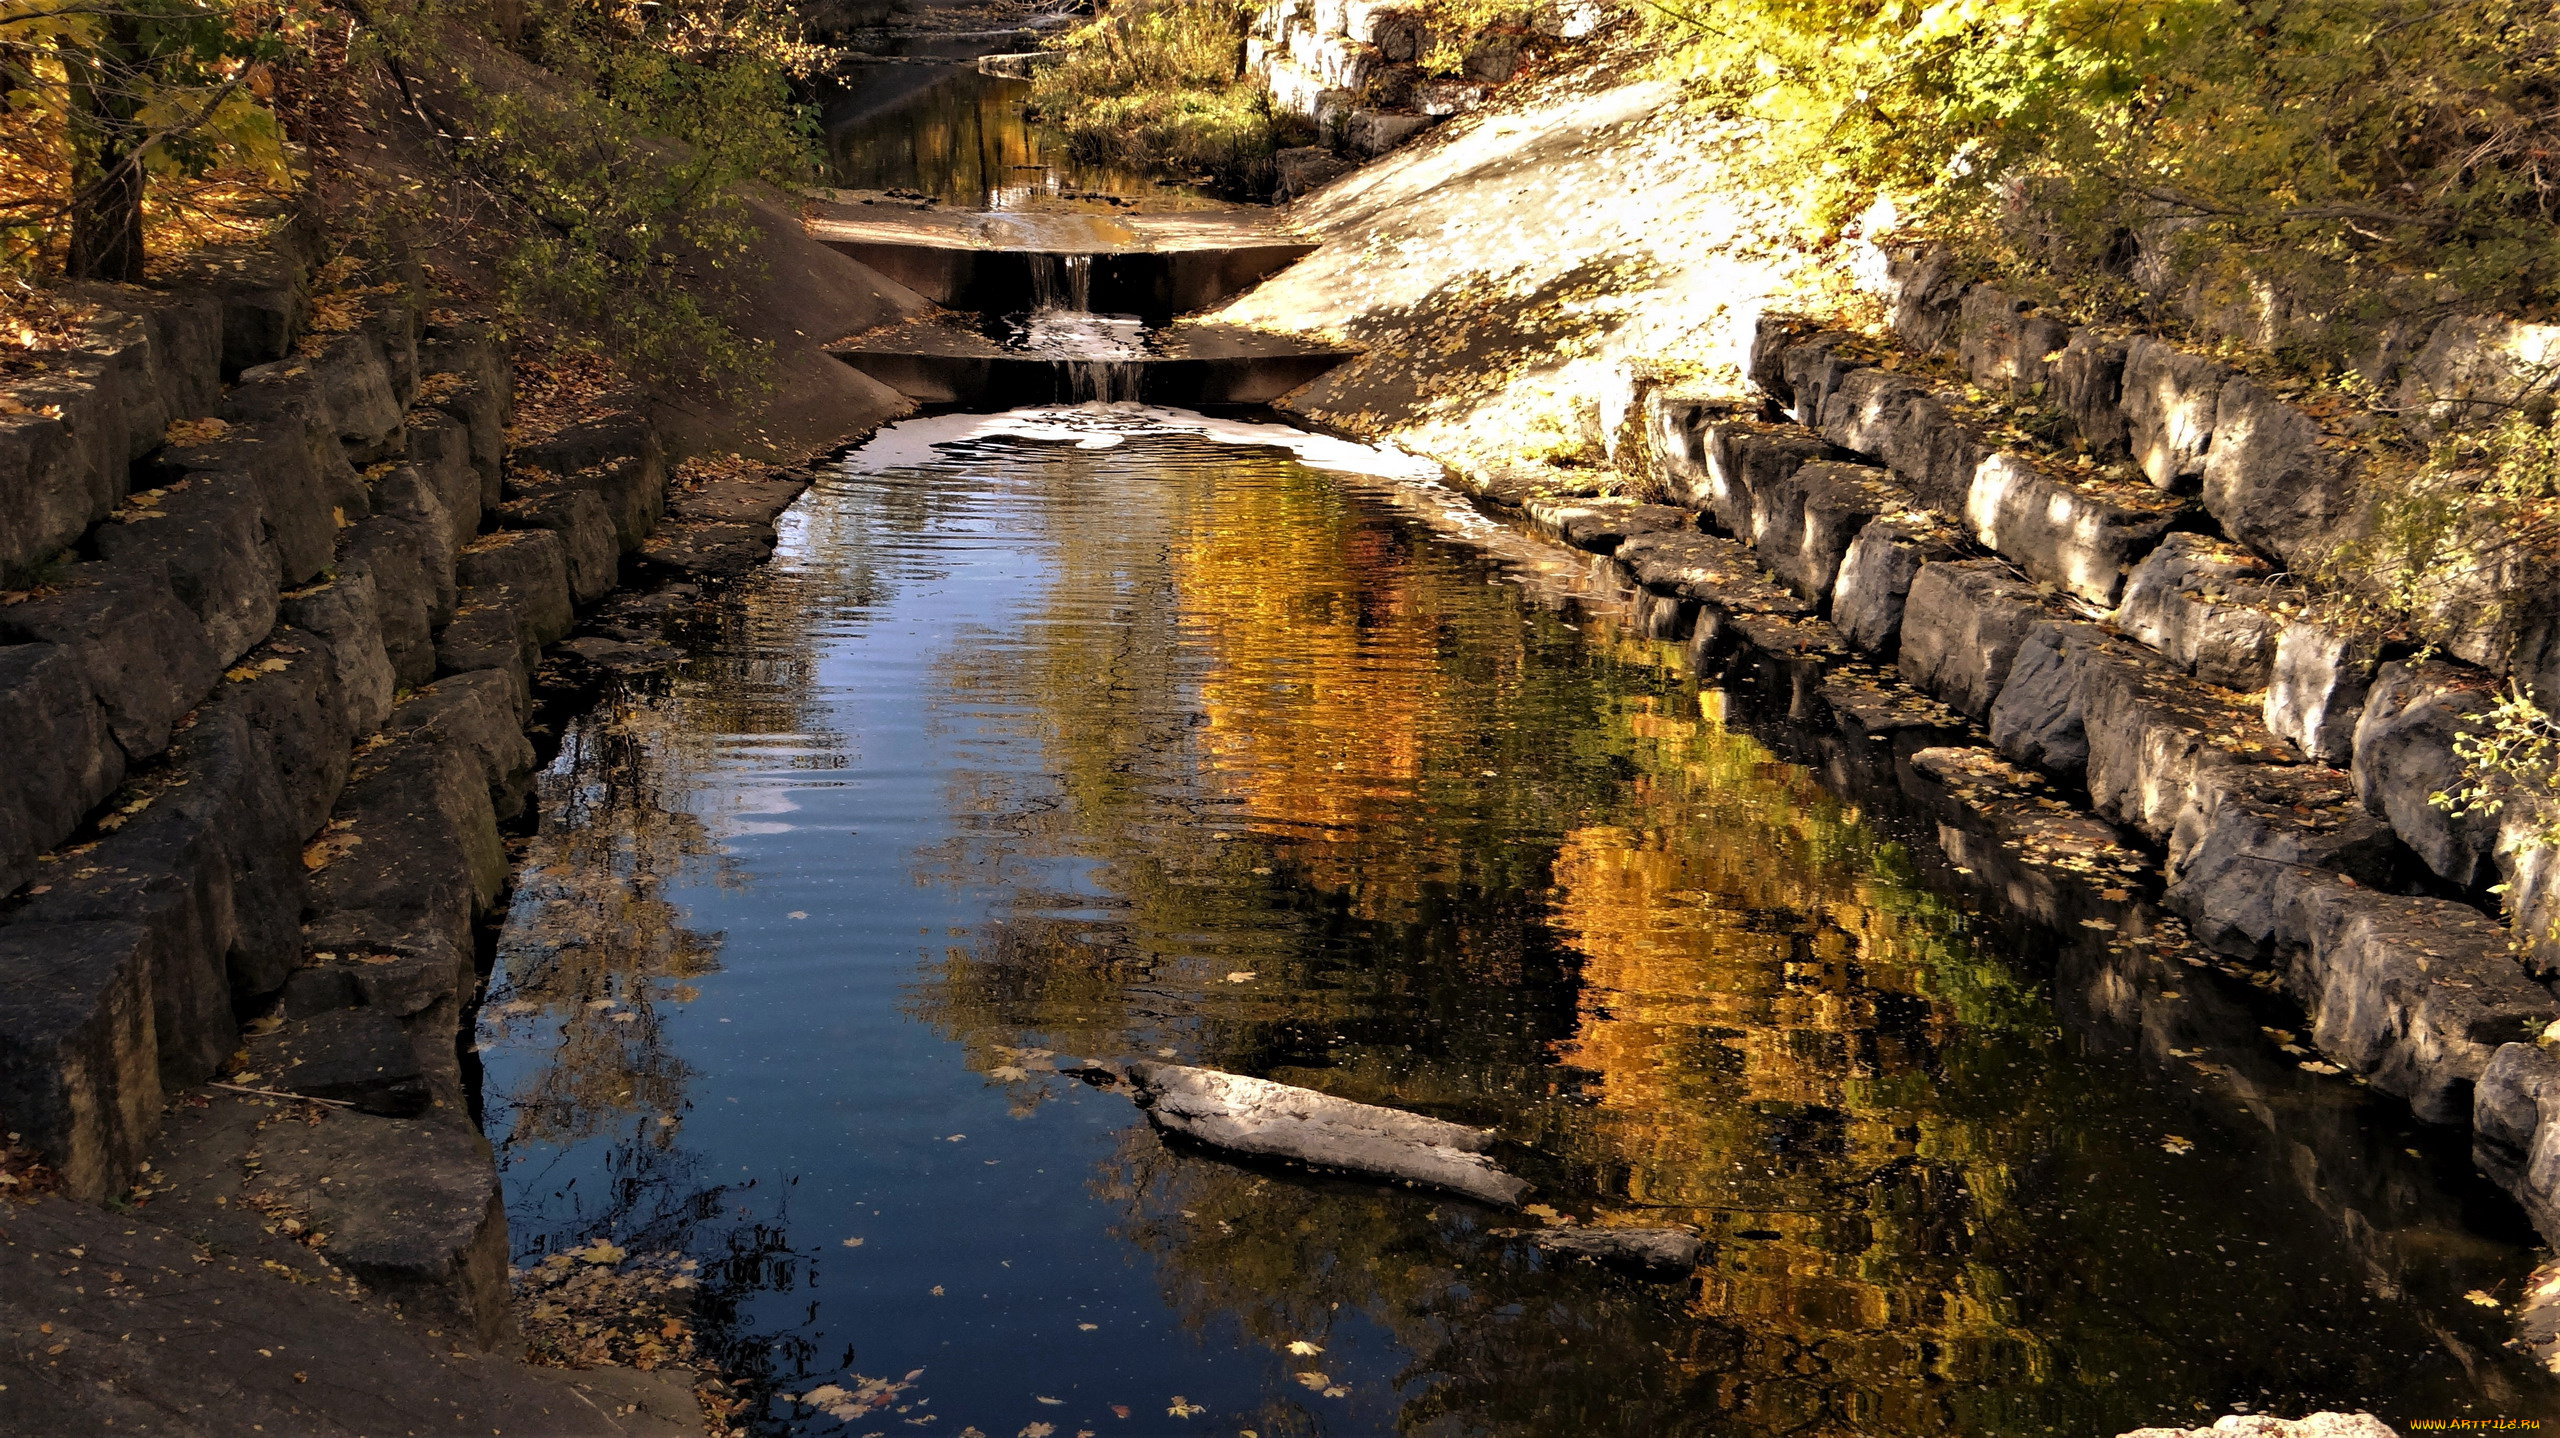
column 285, row 602
column 2137, row 643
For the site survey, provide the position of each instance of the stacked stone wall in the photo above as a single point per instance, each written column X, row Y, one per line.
column 2141, row 644
column 282, row 604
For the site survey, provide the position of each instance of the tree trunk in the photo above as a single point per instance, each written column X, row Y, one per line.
column 106, row 171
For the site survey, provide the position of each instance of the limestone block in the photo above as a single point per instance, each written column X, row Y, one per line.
column 359, row 1056
column 79, row 1054
column 297, row 501
column 1677, row 434
column 1814, row 369
column 2249, row 831
column 1936, row 452
column 354, row 388
column 2404, row 757
column 487, row 634
column 1744, row 457
column 289, row 395
column 1495, row 57
column 1867, row 410
column 146, row 657
column 531, row 568
column 2088, row 387
column 2271, row 483
column 209, row 534
column 2204, row 604
column 392, row 328
column 439, row 448
column 1374, row 132
column 2001, row 347
column 476, row 714
column 2515, row 1129
column 1804, row 523
column 2154, row 732
column 302, row 725
column 2475, row 368
column 1875, row 577
column 1303, row 169
column 412, row 856
column 411, row 1208
column 1962, row 623
column 2317, row 687
column 1397, row 30
column 1926, row 287
column 345, row 618
column 406, row 551
column 1602, row 524
column 2081, row 538
column 2415, row 994
column 619, row 458
column 262, row 293
column 49, row 494
column 1722, row 574
column 1772, row 335
column 48, row 707
column 2171, row 402
column 2036, row 721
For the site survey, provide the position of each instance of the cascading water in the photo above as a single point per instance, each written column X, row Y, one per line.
column 1095, row 356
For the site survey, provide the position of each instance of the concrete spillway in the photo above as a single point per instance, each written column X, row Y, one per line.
column 941, row 362
column 1152, row 265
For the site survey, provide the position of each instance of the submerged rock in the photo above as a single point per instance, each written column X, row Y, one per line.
column 1662, row 1252
column 1251, row 1115
column 2253, row 1425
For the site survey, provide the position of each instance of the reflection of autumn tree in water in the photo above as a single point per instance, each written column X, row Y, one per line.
column 1472, row 864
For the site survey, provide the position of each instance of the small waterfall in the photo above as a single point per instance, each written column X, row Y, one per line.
column 1095, row 356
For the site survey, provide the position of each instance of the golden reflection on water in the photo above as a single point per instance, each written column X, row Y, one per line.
column 1314, row 799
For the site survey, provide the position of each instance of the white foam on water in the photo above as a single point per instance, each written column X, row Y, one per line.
column 914, row 442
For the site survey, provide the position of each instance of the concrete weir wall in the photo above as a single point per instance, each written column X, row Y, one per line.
column 281, row 601
column 2138, row 641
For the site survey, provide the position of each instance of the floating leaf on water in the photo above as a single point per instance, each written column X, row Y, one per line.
column 2484, row 1300
column 1038, row 1430
column 1181, row 1408
column 1088, row 1327
column 857, row 1243
column 1241, row 976
column 1052, row 1402
column 2174, row 1144
column 1008, row 1073
column 2319, row 1066
column 1315, row 1380
column 937, row 1290
column 1304, row 1349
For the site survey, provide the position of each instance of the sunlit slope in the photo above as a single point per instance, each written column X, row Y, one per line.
column 1502, row 271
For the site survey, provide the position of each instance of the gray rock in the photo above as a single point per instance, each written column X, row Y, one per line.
column 48, row 493
column 439, row 448
column 2317, row 687
column 345, row 617
column 2205, row 604
column 387, row 557
column 2271, row 483
column 1257, row 1116
column 1926, row 287
column 2415, row 994
column 2476, row 368
column 1869, row 410
column 2036, row 720
column 2088, row 387
column 2404, row 757
column 531, row 568
column 476, row 714
column 143, row 653
column 48, row 706
column 1772, row 335
column 2515, row 1129
column 2250, row 829
column 488, row 635
column 1962, row 623
column 2079, row 537
column 2154, row 732
column 1601, row 525
column 1375, row 132
column 1707, row 569
column 2170, row 408
column 1935, row 451
column 1803, row 524
column 2004, row 349
column 354, row 388
column 1744, row 457
column 1306, row 169
column 358, row 1056
column 209, row 534
column 1875, row 578
column 411, row 1208
column 296, row 499
column 1677, row 426
column 1815, row 369
column 619, row 457
column 578, row 515
column 412, row 857
column 79, row 1067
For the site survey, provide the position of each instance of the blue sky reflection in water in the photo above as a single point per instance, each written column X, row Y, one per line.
column 1103, row 739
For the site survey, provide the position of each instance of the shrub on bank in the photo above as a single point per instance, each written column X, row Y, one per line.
column 1162, row 83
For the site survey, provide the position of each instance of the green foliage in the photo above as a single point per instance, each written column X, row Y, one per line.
column 1162, row 83
column 617, row 192
column 2447, row 536
column 2379, row 141
column 2510, row 756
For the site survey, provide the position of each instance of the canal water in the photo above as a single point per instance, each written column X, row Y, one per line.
column 1112, row 734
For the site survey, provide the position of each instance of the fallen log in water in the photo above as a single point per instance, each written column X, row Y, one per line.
column 1251, row 1115
column 1660, row 1252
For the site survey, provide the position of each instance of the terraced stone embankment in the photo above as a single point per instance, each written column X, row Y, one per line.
column 2055, row 648
column 283, row 604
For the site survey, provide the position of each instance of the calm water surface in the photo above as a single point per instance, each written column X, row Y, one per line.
column 1176, row 748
